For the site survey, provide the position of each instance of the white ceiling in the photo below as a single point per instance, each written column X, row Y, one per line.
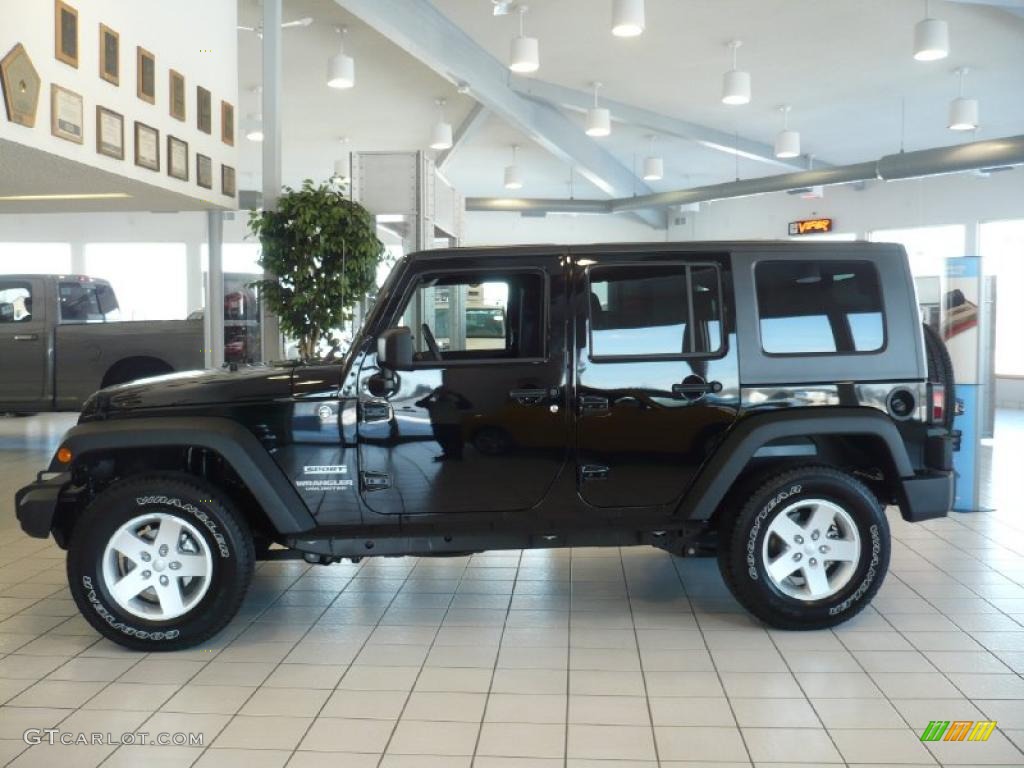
column 845, row 66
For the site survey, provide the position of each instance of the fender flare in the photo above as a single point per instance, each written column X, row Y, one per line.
column 719, row 473
column 235, row 444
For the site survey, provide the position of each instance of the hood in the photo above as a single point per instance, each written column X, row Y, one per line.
column 246, row 384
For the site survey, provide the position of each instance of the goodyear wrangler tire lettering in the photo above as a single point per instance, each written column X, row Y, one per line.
column 205, row 513
column 786, row 604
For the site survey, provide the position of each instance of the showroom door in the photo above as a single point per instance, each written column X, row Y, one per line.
column 479, row 423
column 23, row 347
column 657, row 379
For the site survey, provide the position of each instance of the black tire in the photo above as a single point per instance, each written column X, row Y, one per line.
column 742, row 537
column 940, row 371
column 196, row 503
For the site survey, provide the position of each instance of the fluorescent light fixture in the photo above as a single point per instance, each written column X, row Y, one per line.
column 82, row 196
column 628, row 18
column 341, row 68
column 525, row 54
column 735, row 82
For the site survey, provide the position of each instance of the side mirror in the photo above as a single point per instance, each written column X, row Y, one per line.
column 394, row 349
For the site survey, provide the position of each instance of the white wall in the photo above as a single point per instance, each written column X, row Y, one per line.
column 195, row 37
column 486, row 228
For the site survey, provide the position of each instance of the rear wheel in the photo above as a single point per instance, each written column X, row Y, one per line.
column 159, row 562
column 808, row 549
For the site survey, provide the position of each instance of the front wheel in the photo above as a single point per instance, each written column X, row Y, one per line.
column 160, row 562
column 808, row 549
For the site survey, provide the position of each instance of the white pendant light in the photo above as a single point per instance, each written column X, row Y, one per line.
column 513, row 179
column 735, row 82
column 931, row 38
column 963, row 113
column 525, row 55
column 441, row 135
column 787, row 142
column 254, row 128
column 628, row 18
column 341, row 68
column 599, row 119
column 654, row 166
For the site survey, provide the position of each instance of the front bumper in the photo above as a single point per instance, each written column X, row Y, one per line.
column 926, row 496
column 36, row 504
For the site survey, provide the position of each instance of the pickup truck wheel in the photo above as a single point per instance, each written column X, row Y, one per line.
column 808, row 549
column 160, row 562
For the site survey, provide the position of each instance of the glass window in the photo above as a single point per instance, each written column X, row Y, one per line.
column 646, row 311
column 927, row 247
column 149, row 279
column 1002, row 250
column 808, row 307
column 86, row 302
column 478, row 317
column 15, row 302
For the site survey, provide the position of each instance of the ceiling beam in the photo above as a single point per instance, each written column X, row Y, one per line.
column 1016, row 7
column 424, row 32
column 467, row 129
column 711, row 138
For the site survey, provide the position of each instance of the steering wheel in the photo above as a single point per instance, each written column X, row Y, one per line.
column 428, row 336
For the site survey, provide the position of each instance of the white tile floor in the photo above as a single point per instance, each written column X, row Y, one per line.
column 595, row 658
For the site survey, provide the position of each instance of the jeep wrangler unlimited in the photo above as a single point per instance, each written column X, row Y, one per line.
column 765, row 400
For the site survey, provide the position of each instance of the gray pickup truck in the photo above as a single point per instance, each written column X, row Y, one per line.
column 61, row 340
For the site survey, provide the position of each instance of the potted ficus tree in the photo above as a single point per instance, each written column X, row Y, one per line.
column 322, row 250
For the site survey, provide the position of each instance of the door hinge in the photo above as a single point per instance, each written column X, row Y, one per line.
column 374, row 481
column 593, row 472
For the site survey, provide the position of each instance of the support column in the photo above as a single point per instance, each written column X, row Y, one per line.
column 213, row 316
column 270, row 331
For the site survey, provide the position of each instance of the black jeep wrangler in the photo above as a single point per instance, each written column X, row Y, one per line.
column 765, row 400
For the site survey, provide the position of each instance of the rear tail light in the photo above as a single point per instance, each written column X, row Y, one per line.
column 938, row 414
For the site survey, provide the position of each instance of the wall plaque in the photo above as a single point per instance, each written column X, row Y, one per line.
column 66, row 33
column 110, row 55
column 67, row 114
column 21, row 86
column 177, row 158
column 204, row 171
column 109, row 133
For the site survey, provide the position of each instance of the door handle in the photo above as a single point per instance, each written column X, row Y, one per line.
column 531, row 396
column 375, row 410
column 694, row 388
column 593, row 472
column 593, row 403
column 26, row 336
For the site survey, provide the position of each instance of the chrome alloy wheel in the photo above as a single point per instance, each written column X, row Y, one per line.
column 811, row 549
column 157, row 566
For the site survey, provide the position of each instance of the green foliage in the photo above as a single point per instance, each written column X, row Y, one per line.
column 323, row 250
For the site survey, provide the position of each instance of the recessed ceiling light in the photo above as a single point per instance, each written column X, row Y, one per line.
column 735, row 82
column 628, row 18
column 525, row 54
column 80, row 196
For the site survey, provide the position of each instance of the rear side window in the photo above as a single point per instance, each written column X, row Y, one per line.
column 87, row 303
column 819, row 307
column 654, row 311
column 15, row 302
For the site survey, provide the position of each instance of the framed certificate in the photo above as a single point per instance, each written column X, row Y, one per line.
column 204, row 110
column 66, row 114
column 65, row 33
column 177, row 99
column 227, row 180
column 204, row 171
column 109, row 133
column 227, row 124
column 177, row 158
column 147, row 147
column 110, row 55
column 145, row 75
